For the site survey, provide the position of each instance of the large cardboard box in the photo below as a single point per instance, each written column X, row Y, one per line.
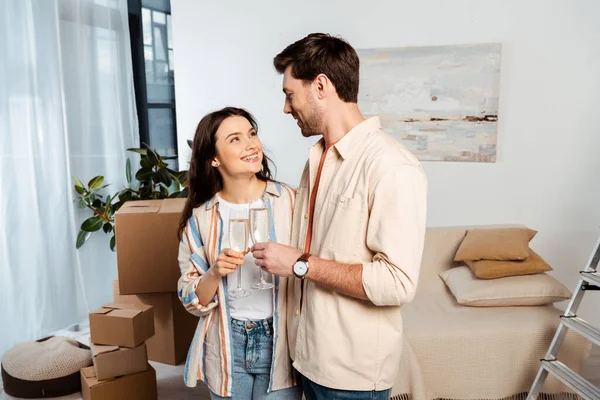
column 174, row 326
column 113, row 361
column 126, row 325
column 147, row 245
column 140, row 386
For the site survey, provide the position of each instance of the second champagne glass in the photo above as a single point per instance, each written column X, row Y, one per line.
column 238, row 241
column 259, row 228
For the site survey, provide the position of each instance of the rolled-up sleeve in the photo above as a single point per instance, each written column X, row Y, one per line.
column 193, row 265
column 396, row 234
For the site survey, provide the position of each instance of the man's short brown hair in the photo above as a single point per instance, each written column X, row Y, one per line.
column 321, row 53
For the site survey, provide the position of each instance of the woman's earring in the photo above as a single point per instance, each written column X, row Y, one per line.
column 216, row 164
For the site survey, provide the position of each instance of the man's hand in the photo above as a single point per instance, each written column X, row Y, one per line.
column 276, row 258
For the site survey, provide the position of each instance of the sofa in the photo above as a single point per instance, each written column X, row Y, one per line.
column 452, row 351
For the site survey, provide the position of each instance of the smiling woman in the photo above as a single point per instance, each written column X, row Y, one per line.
column 226, row 148
column 235, row 349
column 238, row 149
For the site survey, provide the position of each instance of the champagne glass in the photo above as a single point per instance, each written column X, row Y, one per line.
column 259, row 229
column 238, row 241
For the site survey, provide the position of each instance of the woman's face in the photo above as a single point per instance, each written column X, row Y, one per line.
column 238, row 149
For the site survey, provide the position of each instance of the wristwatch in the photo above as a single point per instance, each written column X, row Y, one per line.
column 301, row 266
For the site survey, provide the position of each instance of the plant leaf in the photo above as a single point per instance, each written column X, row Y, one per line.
column 128, row 171
column 183, row 178
column 183, row 193
column 97, row 203
column 164, row 177
column 144, row 174
column 125, row 196
column 82, row 203
column 77, row 181
column 144, row 163
column 96, row 182
column 190, row 143
column 109, row 201
column 113, row 242
column 145, row 192
column 139, row 151
column 174, row 195
column 153, row 157
column 107, row 227
column 100, row 188
column 169, row 157
column 113, row 209
column 82, row 237
column 78, row 185
column 164, row 192
column 91, row 224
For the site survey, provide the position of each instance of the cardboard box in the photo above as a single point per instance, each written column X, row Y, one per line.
column 113, row 361
column 174, row 326
column 147, row 245
column 126, row 325
column 140, row 386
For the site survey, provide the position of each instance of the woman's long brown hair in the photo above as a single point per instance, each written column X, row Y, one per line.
column 205, row 180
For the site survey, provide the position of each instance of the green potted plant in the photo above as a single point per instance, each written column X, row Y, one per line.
column 153, row 180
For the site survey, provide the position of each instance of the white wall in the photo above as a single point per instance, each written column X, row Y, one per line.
column 549, row 127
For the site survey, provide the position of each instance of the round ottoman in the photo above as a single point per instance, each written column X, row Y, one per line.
column 48, row 367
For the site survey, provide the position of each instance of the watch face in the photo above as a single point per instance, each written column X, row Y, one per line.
column 300, row 268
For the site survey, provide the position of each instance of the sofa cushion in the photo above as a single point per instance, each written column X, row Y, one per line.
column 526, row 290
column 495, row 244
column 492, row 269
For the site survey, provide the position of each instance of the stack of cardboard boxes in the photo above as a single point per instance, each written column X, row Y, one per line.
column 147, row 248
column 118, row 333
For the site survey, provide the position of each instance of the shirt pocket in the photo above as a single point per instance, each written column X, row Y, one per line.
column 345, row 224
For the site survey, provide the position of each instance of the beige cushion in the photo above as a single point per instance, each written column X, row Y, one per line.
column 54, row 358
column 492, row 269
column 526, row 290
column 495, row 244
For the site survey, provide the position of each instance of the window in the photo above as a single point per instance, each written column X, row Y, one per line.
column 153, row 65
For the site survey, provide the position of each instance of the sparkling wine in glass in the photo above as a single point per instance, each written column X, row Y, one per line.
column 259, row 228
column 238, row 241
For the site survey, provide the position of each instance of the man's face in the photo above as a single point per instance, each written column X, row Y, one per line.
column 301, row 102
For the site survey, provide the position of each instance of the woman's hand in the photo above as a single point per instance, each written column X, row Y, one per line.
column 227, row 262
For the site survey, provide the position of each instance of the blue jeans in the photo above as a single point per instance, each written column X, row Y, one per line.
column 314, row 391
column 252, row 353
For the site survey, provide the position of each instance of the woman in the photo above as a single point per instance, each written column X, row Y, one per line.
column 240, row 348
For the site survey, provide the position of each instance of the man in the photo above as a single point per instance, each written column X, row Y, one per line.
column 358, row 230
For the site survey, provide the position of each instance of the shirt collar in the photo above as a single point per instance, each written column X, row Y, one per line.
column 346, row 145
column 273, row 189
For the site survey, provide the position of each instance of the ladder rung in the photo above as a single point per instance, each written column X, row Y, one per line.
column 591, row 277
column 567, row 376
column 583, row 328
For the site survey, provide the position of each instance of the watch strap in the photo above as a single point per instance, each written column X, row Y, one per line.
column 304, row 257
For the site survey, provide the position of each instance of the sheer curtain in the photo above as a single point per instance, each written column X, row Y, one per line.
column 67, row 107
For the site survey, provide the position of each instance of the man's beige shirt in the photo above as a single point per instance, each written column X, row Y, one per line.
column 370, row 209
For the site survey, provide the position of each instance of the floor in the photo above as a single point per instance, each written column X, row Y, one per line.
column 171, row 387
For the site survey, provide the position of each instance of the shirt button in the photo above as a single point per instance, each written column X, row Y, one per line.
column 306, row 216
column 343, row 199
column 297, row 311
